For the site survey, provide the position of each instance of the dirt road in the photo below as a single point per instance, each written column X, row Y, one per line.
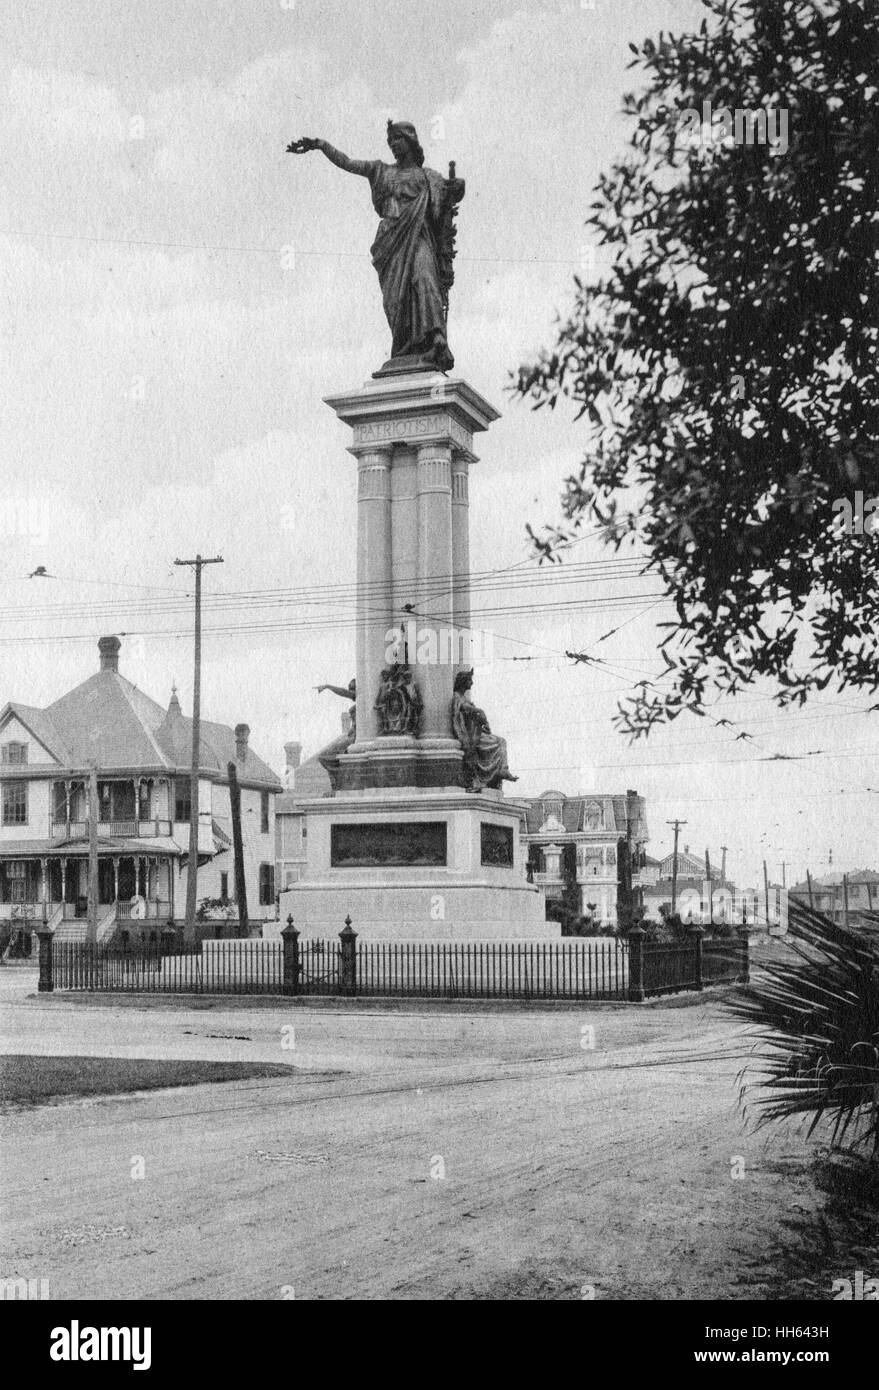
column 437, row 1154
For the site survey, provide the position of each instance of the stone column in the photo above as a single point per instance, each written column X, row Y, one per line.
column 373, row 580
column 461, row 558
column 404, row 542
column 434, row 669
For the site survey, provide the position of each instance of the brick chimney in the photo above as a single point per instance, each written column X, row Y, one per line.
column 109, row 649
column 292, row 759
column 242, row 734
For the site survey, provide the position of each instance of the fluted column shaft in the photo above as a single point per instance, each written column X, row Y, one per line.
column 374, row 600
column 461, row 558
column 404, row 529
column 434, row 671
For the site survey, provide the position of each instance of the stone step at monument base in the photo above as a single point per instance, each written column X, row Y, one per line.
column 418, row 912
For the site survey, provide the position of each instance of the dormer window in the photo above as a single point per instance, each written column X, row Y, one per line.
column 14, row 754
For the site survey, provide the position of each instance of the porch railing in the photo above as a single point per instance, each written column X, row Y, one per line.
column 113, row 829
column 149, row 910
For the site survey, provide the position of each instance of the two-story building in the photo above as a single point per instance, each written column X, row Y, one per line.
column 141, row 753
column 840, row 896
column 686, row 879
column 575, row 847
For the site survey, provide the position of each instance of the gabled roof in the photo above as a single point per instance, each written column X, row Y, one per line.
column 37, row 722
column 108, row 720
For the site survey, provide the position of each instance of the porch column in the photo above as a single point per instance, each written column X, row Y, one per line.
column 44, row 885
column 64, row 875
column 115, row 878
column 68, row 792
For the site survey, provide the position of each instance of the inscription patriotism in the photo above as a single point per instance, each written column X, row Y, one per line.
column 412, row 427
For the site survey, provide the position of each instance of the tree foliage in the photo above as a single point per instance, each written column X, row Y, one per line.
column 725, row 365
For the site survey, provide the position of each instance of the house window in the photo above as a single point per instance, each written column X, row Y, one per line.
column 18, row 881
column 182, row 802
column 15, row 804
column 266, row 885
column 264, row 812
column 14, row 753
column 224, row 887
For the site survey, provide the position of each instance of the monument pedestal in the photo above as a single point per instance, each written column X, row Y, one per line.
column 401, row 846
column 413, row 863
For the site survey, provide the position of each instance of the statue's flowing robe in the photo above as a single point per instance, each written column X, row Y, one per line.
column 485, row 755
column 405, row 252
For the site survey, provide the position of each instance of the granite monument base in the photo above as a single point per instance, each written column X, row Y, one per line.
column 430, row 864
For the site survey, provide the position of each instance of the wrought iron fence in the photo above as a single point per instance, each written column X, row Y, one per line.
column 571, row 968
column 724, row 960
column 227, row 967
column 670, row 966
column 493, row 969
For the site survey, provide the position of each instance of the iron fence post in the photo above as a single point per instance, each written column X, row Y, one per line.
column 636, row 939
column 46, row 982
column 697, row 933
column 290, row 938
column 348, row 960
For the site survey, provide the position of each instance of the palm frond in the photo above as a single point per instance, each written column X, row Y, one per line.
column 817, row 1030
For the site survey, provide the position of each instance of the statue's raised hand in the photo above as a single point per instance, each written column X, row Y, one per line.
column 303, row 145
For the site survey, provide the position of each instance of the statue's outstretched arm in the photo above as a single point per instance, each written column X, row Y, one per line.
column 336, row 689
column 341, row 161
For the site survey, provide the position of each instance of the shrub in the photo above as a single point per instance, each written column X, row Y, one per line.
column 817, row 1015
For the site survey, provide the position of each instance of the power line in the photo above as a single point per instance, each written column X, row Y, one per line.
column 322, row 253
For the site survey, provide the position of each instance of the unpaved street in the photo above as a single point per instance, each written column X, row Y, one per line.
column 414, row 1153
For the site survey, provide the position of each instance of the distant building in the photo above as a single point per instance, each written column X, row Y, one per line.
column 575, row 845
column 692, row 878
column 142, row 753
column 829, row 893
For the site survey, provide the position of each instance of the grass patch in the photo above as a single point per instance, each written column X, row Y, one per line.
column 26, row 1080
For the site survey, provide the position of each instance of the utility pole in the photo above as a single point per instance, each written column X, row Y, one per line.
column 192, row 873
column 723, row 850
column 710, row 888
column 674, row 864
column 92, row 921
column 766, row 891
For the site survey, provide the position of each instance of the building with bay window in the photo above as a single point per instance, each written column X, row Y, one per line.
column 141, row 752
column 577, row 848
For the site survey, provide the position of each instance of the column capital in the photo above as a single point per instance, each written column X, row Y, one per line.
column 375, row 453
column 374, row 474
column 434, row 468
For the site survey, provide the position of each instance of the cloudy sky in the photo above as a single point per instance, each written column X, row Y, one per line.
column 178, row 296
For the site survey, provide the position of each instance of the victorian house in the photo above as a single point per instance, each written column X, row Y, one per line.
column 142, row 755
column 577, row 848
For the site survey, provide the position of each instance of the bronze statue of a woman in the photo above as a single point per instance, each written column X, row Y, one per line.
column 485, row 754
column 414, row 247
